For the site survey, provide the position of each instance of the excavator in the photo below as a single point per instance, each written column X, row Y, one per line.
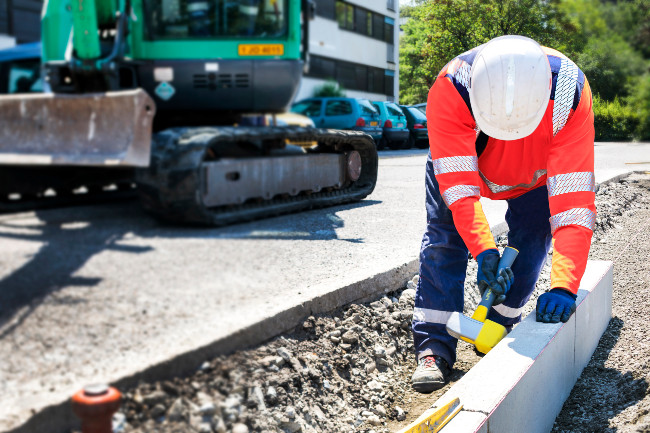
column 167, row 95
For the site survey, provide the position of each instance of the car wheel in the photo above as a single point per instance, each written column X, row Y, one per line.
column 422, row 144
column 381, row 144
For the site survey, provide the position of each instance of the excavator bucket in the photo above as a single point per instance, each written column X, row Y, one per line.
column 98, row 129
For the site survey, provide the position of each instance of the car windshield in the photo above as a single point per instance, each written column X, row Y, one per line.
column 417, row 114
column 199, row 19
column 367, row 108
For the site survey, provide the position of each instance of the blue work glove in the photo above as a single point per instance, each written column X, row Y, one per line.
column 488, row 263
column 555, row 305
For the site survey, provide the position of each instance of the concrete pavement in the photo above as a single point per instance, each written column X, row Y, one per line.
column 106, row 294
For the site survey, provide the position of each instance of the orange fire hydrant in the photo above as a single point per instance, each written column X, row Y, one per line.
column 95, row 405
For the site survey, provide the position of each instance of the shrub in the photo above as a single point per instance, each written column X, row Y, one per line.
column 329, row 89
column 614, row 120
column 639, row 101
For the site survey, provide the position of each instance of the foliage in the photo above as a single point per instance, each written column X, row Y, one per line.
column 613, row 120
column 610, row 64
column 631, row 20
column 438, row 31
column 608, row 40
column 329, row 89
column 639, row 102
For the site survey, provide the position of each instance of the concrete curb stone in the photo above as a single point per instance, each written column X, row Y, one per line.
column 524, row 380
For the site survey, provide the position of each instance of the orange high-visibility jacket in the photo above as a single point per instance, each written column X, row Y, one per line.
column 560, row 153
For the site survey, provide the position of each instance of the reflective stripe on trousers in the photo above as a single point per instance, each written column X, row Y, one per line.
column 443, row 264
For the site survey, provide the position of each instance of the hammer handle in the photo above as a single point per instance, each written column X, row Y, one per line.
column 507, row 259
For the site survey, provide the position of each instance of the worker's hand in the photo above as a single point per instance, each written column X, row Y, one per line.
column 488, row 263
column 555, row 305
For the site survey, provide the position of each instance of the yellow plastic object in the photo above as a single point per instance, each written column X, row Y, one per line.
column 480, row 313
column 433, row 420
column 490, row 335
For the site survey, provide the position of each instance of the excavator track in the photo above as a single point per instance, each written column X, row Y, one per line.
column 185, row 161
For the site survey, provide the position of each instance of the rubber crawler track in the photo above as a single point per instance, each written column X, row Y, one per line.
column 170, row 188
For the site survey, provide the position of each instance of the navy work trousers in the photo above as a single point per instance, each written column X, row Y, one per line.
column 443, row 265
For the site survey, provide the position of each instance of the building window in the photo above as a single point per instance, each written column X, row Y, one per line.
column 378, row 26
column 326, row 9
column 361, row 20
column 390, row 53
column 369, row 23
column 375, row 80
column 389, row 29
column 322, row 67
column 390, row 5
column 345, row 74
column 389, row 82
column 365, row 22
column 345, row 15
column 361, row 75
column 352, row 76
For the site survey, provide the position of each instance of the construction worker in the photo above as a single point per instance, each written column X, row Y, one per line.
column 508, row 120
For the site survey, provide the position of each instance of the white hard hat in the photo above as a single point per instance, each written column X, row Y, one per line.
column 510, row 87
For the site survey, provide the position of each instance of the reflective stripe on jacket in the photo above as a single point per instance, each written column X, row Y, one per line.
column 559, row 153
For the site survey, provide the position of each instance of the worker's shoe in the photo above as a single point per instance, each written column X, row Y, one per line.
column 431, row 373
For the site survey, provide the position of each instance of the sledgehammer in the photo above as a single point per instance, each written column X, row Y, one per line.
column 484, row 334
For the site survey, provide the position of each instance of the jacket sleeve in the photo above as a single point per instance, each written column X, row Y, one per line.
column 452, row 138
column 571, row 191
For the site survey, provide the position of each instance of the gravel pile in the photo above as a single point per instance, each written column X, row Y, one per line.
column 348, row 371
column 337, row 373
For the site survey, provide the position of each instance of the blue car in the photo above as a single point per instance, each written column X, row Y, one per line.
column 20, row 69
column 417, row 125
column 341, row 113
column 395, row 133
column 422, row 107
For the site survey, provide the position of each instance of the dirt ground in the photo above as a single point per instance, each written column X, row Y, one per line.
column 349, row 370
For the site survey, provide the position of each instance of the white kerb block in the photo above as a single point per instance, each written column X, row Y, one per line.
column 526, row 378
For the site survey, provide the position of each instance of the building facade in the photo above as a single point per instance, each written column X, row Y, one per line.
column 355, row 43
column 20, row 21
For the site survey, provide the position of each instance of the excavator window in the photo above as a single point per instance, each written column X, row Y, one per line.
column 181, row 19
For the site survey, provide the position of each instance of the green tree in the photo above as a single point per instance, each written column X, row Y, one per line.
column 631, row 20
column 437, row 31
column 610, row 65
column 639, row 101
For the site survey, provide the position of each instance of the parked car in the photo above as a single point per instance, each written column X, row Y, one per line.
column 20, row 69
column 341, row 113
column 417, row 126
column 422, row 107
column 395, row 134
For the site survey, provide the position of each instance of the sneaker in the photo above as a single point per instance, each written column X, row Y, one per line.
column 431, row 373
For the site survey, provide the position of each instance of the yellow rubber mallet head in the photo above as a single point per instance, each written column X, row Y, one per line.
column 484, row 334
